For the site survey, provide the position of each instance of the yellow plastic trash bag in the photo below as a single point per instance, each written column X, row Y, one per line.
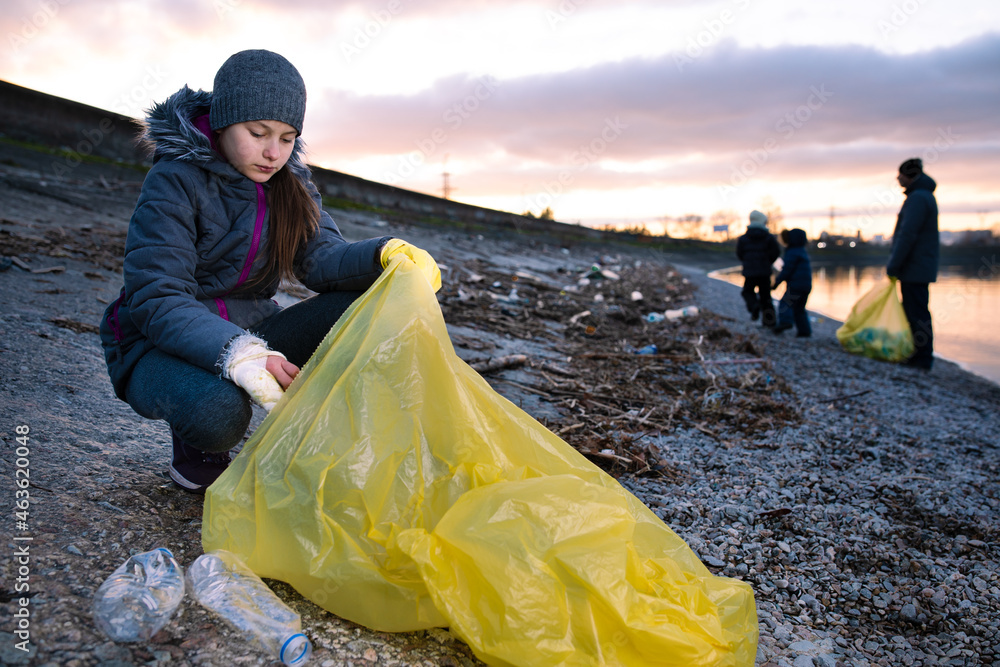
column 877, row 326
column 393, row 487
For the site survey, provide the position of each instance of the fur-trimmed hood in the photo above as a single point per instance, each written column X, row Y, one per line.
column 169, row 132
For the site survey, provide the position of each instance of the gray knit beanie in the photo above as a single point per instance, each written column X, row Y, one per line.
column 257, row 85
column 758, row 219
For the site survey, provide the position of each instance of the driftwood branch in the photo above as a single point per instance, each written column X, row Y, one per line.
column 498, row 363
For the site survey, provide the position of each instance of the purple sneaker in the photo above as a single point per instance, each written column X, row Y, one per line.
column 194, row 470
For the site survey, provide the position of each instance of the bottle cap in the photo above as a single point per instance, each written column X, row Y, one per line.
column 296, row 650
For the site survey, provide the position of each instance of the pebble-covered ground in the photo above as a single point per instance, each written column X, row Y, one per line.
column 862, row 506
column 869, row 531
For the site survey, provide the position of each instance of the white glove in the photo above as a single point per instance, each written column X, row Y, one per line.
column 245, row 362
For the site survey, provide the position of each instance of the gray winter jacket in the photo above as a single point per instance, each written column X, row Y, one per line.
column 196, row 239
column 915, row 242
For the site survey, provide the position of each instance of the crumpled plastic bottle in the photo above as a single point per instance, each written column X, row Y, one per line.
column 139, row 597
column 687, row 311
column 223, row 584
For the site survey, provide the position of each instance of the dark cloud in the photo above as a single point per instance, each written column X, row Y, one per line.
column 804, row 109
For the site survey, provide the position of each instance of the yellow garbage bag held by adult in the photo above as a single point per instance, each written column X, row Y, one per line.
column 393, row 487
column 877, row 326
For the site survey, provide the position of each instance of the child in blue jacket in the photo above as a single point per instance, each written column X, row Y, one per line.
column 226, row 212
column 797, row 275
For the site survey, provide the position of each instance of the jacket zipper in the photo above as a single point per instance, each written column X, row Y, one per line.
column 258, row 228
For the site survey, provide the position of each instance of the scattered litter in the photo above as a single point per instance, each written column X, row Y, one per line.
column 687, row 311
column 636, row 296
column 597, row 273
column 653, row 318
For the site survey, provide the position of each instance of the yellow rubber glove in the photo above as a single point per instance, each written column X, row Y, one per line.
column 421, row 258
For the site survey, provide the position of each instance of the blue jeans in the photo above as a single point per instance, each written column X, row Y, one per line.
column 208, row 412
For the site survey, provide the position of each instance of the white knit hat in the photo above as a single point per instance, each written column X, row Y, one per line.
column 758, row 219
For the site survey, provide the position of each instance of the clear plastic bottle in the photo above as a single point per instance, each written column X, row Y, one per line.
column 138, row 599
column 223, row 584
column 687, row 311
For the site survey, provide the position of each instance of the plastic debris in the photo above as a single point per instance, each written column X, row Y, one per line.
column 140, row 596
column 224, row 585
column 687, row 311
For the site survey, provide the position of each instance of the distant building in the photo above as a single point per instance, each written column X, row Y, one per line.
column 968, row 237
column 828, row 240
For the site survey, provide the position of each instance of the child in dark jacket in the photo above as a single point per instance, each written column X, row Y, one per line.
column 757, row 250
column 797, row 276
column 228, row 210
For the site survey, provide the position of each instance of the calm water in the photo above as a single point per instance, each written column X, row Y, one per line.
column 965, row 307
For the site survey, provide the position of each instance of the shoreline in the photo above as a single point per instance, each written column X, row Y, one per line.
column 964, row 365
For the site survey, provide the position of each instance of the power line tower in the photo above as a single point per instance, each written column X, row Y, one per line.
column 446, row 184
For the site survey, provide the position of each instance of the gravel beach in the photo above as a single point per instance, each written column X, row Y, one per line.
column 858, row 498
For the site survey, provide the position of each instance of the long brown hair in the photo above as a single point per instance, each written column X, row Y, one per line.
column 294, row 219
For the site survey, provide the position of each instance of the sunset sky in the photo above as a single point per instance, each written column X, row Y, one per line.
column 606, row 111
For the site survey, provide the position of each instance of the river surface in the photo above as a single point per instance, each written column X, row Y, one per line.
column 964, row 303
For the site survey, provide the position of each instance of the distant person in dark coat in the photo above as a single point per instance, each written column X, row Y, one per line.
column 914, row 257
column 757, row 249
column 797, row 276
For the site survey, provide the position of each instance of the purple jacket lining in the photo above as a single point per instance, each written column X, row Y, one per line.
column 113, row 318
column 203, row 125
